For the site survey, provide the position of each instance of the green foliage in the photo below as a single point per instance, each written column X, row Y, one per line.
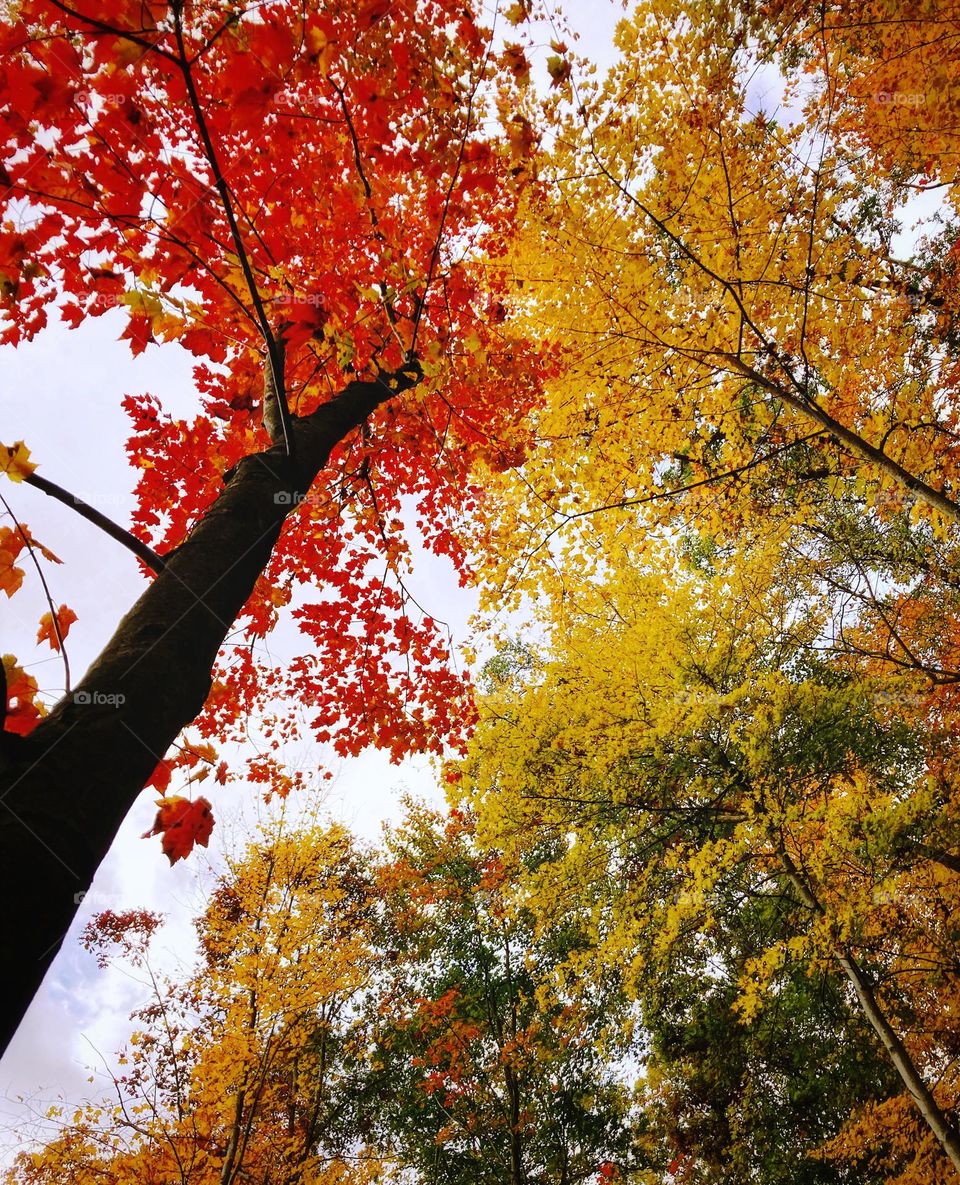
column 493, row 1062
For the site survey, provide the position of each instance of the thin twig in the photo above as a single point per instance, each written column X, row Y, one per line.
column 25, row 536
column 273, row 353
column 368, row 192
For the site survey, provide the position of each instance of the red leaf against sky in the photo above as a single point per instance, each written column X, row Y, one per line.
column 182, row 823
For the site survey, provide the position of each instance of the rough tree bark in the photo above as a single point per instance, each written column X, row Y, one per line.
column 65, row 788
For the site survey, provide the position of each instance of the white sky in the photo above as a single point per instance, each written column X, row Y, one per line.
column 61, row 395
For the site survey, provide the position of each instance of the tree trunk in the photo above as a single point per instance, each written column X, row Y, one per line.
column 894, row 1047
column 65, row 789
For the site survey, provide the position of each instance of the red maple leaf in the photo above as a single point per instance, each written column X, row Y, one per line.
column 182, row 823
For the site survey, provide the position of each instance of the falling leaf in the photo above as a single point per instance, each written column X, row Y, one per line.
column 182, row 823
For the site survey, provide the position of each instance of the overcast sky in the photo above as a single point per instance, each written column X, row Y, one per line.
column 61, row 394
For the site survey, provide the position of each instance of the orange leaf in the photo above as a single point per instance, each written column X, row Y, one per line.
column 47, row 633
column 11, row 577
column 23, row 708
column 38, row 546
column 182, row 823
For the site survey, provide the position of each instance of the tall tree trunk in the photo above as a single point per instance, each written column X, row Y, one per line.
column 512, row 1082
column 65, row 789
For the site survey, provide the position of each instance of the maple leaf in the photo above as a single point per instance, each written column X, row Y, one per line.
column 515, row 59
column 517, row 13
column 11, row 577
column 44, row 551
column 182, row 823
column 48, row 632
column 15, row 461
column 559, row 69
column 303, row 320
column 160, row 778
column 521, row 138
column 139, row 333
column 24, row 709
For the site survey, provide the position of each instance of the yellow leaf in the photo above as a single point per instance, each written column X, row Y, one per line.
column 15, row 461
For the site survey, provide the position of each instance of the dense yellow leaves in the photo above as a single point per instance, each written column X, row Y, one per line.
column 685, row 749
column 716, row 261
column 233, row 1075
column 736, row 525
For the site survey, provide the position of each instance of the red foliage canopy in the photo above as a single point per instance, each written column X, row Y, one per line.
column 227, row 173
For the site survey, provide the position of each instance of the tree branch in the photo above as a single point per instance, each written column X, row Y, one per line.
column 893, row 1045
column 140, row 549
column 869, row 452
column 273, row 353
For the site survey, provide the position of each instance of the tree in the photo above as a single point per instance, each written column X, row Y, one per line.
column 734, row 1102
column 699, row 764
column 310, row 202
column 740, row 333
column 492, row 1062
column 246, row 1070
column 391, row 1019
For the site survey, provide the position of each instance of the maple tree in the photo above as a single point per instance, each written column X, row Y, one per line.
column 312, row 202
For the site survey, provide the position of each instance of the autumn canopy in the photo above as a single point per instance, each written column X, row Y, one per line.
column 662, row 359
column 312, row 197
